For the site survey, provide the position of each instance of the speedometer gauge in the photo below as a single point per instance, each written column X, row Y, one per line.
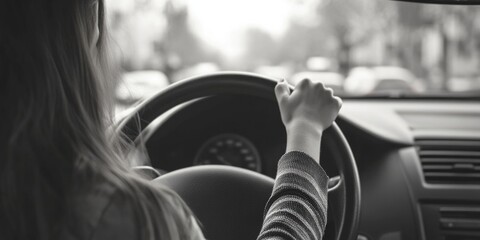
column 229, row 149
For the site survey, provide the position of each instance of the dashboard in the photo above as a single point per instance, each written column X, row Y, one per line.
column 418, row 160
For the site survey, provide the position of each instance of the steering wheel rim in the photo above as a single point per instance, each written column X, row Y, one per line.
column 347, row 191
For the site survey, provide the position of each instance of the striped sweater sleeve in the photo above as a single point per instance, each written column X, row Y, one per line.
column 297, row 208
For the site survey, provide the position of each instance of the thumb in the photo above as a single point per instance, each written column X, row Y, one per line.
column 282, row 92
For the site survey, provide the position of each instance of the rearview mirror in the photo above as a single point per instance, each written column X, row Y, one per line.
column 452, row 2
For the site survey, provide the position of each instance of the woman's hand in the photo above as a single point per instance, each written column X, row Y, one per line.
column 306, row 113
column 310, row 103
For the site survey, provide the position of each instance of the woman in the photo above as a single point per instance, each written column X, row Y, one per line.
column 62, row 172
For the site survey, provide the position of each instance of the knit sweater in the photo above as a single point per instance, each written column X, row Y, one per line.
column 298, row 206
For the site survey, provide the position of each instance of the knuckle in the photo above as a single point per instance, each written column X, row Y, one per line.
column 338, row 101
column 318, row 86
column 278, row 88
column 307, row 82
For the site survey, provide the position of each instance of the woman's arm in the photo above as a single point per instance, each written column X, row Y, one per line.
column 297, row 208
column 306, row 113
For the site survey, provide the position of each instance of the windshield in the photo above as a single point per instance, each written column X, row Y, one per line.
column 357, row 47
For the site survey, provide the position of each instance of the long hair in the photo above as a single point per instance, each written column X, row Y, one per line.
column 55, row 106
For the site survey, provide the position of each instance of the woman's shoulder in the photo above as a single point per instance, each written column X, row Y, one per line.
column 95, row 213
column 125, row 210
column 117, row 219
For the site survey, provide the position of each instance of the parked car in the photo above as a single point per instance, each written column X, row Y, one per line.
column 333, row 80
column 382, row 79
column 138, row 85
column 274, row 71
column 195, row 70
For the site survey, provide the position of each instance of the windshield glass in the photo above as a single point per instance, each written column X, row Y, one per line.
column 357, row 47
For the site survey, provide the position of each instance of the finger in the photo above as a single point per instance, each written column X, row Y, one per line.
column 305, row 83
column 329, row 91
column 339, row 101
column 284, row 85
column 320, row 85
column 282, row 92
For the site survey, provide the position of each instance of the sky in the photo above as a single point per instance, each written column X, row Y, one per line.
column 226, row 15
column 221, row 23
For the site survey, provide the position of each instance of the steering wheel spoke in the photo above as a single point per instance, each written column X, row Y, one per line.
column 334, row 184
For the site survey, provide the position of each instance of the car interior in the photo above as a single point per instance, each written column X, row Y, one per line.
column 403, row 155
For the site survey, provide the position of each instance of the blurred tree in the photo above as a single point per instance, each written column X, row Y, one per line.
column 457, row 28
column 260, row 49
column 300, row 42
column 411, row 24
column 353, row 23
column 180, row 46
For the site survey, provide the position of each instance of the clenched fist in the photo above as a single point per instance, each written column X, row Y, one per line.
column 306, row 113
column 310, row 102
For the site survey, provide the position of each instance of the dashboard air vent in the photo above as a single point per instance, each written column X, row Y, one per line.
column 449, row 161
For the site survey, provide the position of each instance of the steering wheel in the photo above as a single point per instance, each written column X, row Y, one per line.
column 229, row 202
